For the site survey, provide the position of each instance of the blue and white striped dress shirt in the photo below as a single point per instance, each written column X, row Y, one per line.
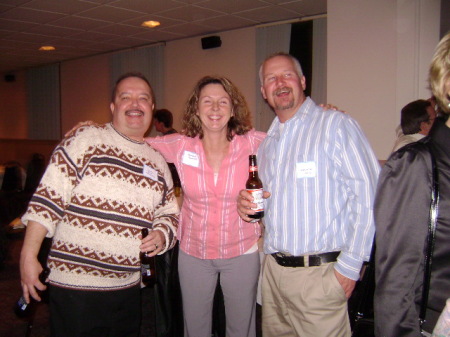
column 322, row 174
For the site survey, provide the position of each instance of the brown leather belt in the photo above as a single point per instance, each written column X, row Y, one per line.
column 305, row 260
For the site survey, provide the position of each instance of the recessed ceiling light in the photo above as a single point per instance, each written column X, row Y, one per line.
column 47, row 48
column 150, row 24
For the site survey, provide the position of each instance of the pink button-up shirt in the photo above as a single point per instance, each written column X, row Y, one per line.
column 209, row 226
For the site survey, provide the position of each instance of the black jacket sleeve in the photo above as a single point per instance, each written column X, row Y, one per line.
column 401, row 217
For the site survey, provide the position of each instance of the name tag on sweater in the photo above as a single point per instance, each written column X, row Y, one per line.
column 306, row 169
column 150, row 173
column 190, row 158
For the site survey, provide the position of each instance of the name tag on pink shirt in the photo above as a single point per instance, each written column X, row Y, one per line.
column 190, row 158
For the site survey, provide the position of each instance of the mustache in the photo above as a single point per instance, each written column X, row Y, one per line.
column 134, row 110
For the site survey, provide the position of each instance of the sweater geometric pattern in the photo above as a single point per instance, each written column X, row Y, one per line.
column 99, row 190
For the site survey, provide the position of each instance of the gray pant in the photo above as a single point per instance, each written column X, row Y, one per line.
column 238, row 279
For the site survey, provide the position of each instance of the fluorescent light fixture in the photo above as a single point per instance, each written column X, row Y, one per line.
column 47, row 48
column 150, row 24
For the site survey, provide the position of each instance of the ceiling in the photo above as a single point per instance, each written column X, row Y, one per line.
column 80, row 28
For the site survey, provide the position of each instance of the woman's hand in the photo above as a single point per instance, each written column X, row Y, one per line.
column 331, row 107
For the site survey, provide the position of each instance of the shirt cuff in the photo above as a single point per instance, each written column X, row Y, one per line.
column 33, row 217
column 348, row 266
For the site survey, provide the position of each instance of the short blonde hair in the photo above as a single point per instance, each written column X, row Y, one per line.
column 440, row 73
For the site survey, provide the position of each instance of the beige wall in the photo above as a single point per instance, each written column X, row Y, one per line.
column 13, row 108
column 187, row 62
column 85, row 83
column 378, row 56
column 85, row 91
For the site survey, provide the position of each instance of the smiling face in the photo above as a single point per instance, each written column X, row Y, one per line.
column 214, row 108
column 282, row 86
column 132, row 107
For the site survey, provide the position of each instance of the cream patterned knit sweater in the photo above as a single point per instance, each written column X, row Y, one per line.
column 98, row 191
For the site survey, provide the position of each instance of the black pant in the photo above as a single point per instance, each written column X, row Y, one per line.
column 76, row 313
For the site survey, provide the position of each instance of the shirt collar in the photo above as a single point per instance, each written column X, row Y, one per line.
column 303, row 112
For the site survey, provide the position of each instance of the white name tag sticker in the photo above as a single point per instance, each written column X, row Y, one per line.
column 306, row 169
column 190, row 158
column 150, row 173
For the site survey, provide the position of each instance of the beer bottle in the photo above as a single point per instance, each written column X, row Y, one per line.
column 255, row 187
column 24, row 309
column 148, row 270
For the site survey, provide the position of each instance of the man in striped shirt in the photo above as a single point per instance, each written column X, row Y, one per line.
column 321, row 174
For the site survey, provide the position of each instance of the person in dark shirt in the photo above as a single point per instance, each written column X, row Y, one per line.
column 163, row 120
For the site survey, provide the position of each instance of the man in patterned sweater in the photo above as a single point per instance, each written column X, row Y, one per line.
column 102, row 186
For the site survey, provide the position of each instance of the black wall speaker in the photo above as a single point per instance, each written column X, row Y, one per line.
column 211, row 42
column 10, row 78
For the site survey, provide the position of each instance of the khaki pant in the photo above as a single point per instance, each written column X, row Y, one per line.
column 303, row 302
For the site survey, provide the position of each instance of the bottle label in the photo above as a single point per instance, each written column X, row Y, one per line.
column 257, row 199
column 253, row 168
column 22, row 304
column 145, row 270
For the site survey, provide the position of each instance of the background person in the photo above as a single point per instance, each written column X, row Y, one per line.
column 102, row 186
column 401, row 216
column 163, row 120
column 321, row 173
column 417, row 118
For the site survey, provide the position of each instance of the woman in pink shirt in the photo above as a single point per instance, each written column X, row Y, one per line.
column 211, row 157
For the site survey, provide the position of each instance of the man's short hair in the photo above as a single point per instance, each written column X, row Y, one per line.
column 413, row 114
column 297, row 65
column 164, row 116
column 131, row 74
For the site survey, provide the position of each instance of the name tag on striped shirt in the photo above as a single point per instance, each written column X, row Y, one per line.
column 190, row 158
column 306, row 169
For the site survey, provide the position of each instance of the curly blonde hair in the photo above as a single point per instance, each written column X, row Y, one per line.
column 239, row 123
column 439, row 73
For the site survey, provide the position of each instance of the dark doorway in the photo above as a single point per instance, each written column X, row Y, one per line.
column 301, row 48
